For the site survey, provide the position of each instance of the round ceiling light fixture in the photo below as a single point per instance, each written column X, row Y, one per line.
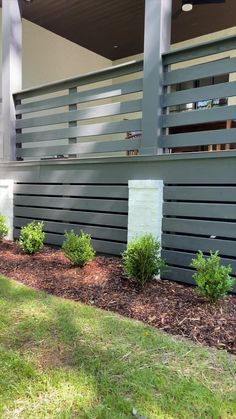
column 187, row 5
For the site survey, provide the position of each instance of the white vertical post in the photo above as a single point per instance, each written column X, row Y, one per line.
column 156, row 41
column 6, row 204
column 11, row 73
column 145, row 208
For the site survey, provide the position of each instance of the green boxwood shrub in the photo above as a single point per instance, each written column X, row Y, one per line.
column 78, row 248
column 142, row 260
column 32, row 237
column 3, row 227
column 212, row 278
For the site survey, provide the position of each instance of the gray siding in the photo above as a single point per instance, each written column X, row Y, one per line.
column 92, row 194
column 198, row 218
column 99, row 210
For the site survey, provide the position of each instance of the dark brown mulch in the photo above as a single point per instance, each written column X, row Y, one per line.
column 169, row 306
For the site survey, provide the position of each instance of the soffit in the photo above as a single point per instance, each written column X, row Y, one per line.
column 115, row 28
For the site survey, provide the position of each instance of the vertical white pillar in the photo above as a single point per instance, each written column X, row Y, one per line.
column 145, row 208
column 6, row 204
column 11, row 74
column 157, row 34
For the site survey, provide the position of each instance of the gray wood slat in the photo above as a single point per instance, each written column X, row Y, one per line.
column 94, row 218
column 206, row 210
column 106, row 205
column 201, row 93
column 184, row 259
column 199, row 71
column 89, row 78
column 107, row 247
column 80, row 148
column 183, row 275
column 190, row 243
column 178, row 275
column 81, row 131
column 200, row 227
column 77, row 191
column 200, row 50
column 189, row 139
column 117, row 108
column 221, row 113
column 108, row 233
column 200, row 193
column 81, row 97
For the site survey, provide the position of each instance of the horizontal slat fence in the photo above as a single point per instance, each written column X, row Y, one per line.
column 199, row 210
column 100, row 113
column 89, row 114
column 199, row 98
column 197, row 217
column 99, row 210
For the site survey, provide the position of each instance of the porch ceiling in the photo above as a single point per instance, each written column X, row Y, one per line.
column 114, row 28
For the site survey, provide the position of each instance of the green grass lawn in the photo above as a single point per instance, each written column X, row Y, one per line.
column 60, row 359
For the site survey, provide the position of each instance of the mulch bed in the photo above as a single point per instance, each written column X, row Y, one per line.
column 166, row 305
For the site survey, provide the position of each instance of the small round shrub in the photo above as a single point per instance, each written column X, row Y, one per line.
column 78, row 248
column 212, row 278
column 141, row 260
column 32, row 237
column 3, row 227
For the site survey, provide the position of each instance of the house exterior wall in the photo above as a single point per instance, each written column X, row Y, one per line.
column 48, row 57
column 206, row 38
column 194, row 41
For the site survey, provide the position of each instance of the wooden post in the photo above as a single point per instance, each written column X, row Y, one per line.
column 72, row 123
column 11, row 74
column 229, row 124
column 156, row 41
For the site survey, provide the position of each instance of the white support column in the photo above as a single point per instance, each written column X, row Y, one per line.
column 11, row 74
column 145, row 208
column 156, row 41
column 6, row 204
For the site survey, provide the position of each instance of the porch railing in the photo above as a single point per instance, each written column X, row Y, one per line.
column 99, row 112
column 199, row 98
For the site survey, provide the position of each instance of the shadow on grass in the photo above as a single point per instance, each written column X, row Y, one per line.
column 126, row 365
